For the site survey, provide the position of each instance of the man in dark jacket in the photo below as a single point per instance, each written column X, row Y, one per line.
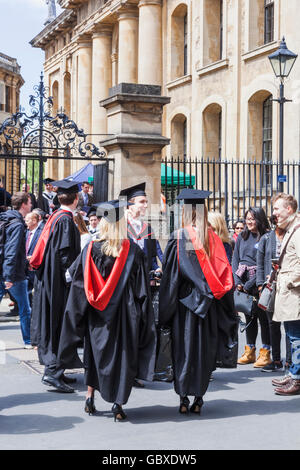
column 13, row 272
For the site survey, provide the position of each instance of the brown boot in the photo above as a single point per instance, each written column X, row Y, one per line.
column 263, row 359
column 282, row 382
column 292, row 389
column 248, row 357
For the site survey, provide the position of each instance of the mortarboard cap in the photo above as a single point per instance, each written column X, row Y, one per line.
column 92, row 211
column 193, row 196
column 48, row 180
column 112, row 210
column 66, row 187
column 133, row 191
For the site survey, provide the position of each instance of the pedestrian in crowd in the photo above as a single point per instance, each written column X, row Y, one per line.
column 110, row 307
column 34, row 230
column 244, row 266
column 5, row 198
column 41, row 215
column 217, row 222
column 85, row 236
column 287, row 300
column 86, row 200
column 269, row 248
column 141, row 232
column 13, row 260
column 93, row 226
column 57, row 248
column 138, row 230
column 238, row 227
column 26, row 189
column 49, row 202
column 196, row 293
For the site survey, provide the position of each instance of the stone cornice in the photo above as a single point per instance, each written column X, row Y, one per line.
column 63, row 22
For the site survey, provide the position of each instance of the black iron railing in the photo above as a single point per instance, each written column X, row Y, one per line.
column 235, row 185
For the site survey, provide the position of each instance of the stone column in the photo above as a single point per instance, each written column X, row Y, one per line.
column 101, row 77
column 128, row 47
column 84, row 84
column 150, row 42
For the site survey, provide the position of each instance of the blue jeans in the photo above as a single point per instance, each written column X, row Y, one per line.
column 20, row 293
column 292, row 329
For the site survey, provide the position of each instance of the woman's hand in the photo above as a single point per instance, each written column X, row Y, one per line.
column 240, row 287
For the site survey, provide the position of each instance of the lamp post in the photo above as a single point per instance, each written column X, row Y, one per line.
column 282, row 62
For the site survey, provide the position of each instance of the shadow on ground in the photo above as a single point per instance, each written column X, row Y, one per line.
column 36, row 424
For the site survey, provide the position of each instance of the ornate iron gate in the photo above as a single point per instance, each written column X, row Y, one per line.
column 29, row 142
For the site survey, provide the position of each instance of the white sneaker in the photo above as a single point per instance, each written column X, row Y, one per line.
column 28, row 346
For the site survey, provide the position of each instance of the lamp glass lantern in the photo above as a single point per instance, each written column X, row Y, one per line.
column 282, row 61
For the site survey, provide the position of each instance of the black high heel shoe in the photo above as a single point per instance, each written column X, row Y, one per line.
column 184, row 405
column 197, row 405
column 118, row 412
column 89, row 406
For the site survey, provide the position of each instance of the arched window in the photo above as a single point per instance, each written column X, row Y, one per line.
column 260, row 112
column 67, row 94
column 261, row 22
column 213, row 31
column 267, row 136
column 55, row 97
column 212, row 132
column 179, row 136
column 179, row 42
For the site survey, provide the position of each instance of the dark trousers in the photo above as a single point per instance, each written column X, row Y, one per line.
column 275, row 334
column 252, row 330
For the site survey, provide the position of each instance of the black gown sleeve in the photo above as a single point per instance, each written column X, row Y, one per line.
column 168, row 292
column 74, row 322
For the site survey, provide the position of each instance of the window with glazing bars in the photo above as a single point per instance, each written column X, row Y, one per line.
column 269, row 21
column 185, row 46
column 267, row 138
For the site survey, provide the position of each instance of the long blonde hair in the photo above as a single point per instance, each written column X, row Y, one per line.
column 218, row 224
column 112, row 234
column 196, row 216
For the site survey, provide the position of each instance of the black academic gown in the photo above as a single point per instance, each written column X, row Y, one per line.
column 51, row 289
column 198, row 321
column 119, row 341
column 149, row 249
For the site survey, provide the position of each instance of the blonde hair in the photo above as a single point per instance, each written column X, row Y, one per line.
column 218, row 224
column 112, row 234
column 196, row 215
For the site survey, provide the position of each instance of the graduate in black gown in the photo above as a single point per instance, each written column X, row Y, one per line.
column 109, row 306
column 57, row 248
column 196, row 300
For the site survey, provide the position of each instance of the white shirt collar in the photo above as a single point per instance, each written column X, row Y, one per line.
column 66, row 208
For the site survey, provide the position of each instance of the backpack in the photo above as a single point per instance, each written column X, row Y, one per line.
column 3, row 225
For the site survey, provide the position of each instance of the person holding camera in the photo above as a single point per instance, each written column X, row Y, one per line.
column 287, row 300
column 268, row 251
column 244, row 266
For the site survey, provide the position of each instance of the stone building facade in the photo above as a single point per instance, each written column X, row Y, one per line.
column 210, row 58
column 11, row 82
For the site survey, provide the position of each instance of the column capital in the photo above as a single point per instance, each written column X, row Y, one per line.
column 128, row 13
column 143, row 3
column 84, row 40
column 102, row 29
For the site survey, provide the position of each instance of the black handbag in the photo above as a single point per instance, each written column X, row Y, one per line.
column 243, row 302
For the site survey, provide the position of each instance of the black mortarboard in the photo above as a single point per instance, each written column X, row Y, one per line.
column 66, row 187
column 48, row 180
column 133, row 191
column 193, row 196
column 111, row 210
column 92, row 211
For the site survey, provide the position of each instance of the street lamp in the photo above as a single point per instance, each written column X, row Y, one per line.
column 282, row 62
